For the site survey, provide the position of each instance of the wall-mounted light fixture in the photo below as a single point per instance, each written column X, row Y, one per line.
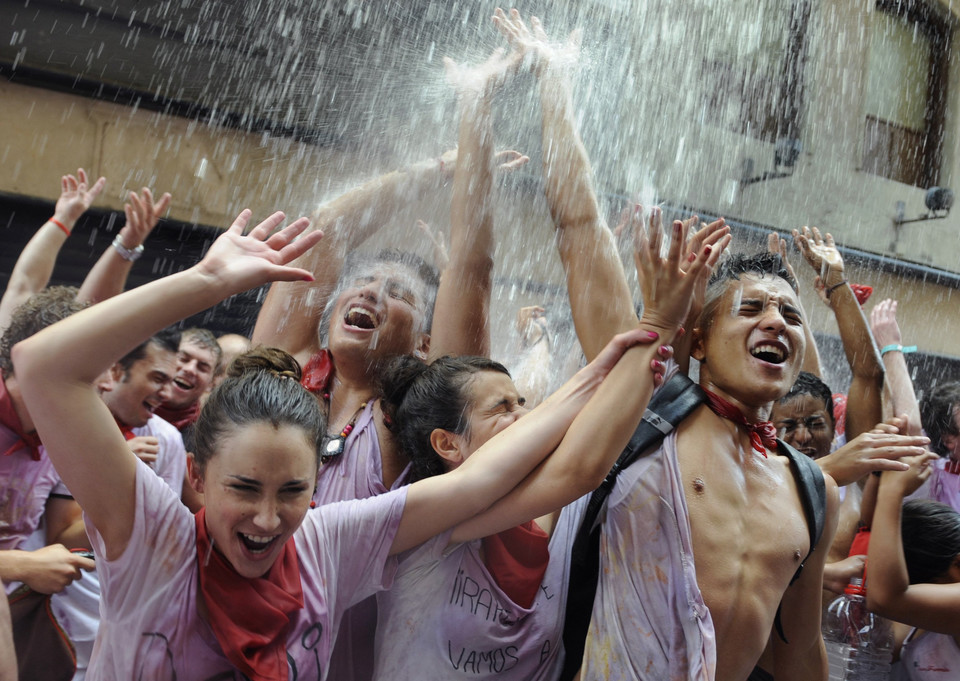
column 939, row 201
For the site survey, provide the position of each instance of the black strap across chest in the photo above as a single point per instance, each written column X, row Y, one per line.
column 669, row 406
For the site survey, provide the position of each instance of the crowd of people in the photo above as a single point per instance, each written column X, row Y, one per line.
column 361, row 491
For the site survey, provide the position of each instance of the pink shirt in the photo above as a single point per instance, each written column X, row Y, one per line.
column 944, row 485
column 649, row 620
column 25, row 486
column 465, row 624
column 356, row 474
column 149, row 624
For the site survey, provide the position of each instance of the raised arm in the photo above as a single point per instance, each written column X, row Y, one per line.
column 864, row 401
column 32, row 271
column 108, row 277
column 291, row 312
column 886, row 331
column 879, row 449
column 811, row 356
column 586, row 453
column 80, row 435
column 929, row 606
column 599, row 294
column 461, row 313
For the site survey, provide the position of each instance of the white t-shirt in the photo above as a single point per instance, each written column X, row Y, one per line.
column 171, row 463
column 149, row 626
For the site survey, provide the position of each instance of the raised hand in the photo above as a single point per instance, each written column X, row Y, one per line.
column 532, row 42
column 883, row 323
column 507, row 160
column 145, row 447
column 142, row 214
column 778, row 244
column 532, row 325
column 440, row 255
column 820, row 252
column 909, row 481
column 239, row 262
column 881, row 449
column 76, row 196
column 668, row 284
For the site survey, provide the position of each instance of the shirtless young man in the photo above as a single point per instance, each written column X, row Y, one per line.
column 700, row 543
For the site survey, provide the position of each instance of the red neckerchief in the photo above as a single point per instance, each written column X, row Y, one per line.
column 839, row 413
column 952, row 466
column 9, row 418
column 180, row 418
column 763, row 434
column 250, row 617
column 862, row 292
column 517, row 560
column 126, row 430
column 317, row 373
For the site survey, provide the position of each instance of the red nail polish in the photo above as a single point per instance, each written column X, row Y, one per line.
column 652, row 335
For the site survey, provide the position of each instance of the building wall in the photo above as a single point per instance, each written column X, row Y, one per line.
column 658, row 148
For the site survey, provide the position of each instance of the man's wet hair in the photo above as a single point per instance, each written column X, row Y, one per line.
column 938, row 414
column 732, row 269
column 36, row 313
column 810, row 384
column 168, row 339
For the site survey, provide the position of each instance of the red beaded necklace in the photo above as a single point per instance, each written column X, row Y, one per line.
column 333, row 444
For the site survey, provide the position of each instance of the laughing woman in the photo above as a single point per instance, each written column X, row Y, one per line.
column 253, row 586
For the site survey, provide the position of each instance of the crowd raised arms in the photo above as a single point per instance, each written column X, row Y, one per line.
column 194, row 507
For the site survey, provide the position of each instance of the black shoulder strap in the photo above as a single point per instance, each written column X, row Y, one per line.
column 671, row 404
column 813, row 498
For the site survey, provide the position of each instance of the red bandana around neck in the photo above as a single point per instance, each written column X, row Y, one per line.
column 317, row 373
column 763, row 434
column 952, row 466
column 517, row 560
column 250, row 617
column 9, row 418
column 180, row 418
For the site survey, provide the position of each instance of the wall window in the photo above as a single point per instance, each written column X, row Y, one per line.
column 752, row 71
column 905, row 95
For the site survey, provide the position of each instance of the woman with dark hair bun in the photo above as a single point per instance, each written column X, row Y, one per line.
column 489, row 598
column 914, row 576
column 254, row 584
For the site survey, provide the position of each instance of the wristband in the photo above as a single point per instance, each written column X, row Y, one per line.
column 60, row 225
column 896, row 347
column 128, row 254
column 834, row 288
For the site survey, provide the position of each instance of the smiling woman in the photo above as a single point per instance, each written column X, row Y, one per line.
column 270, row 580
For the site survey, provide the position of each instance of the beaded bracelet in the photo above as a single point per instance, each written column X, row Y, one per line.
column 60, row 225
column 896, row 347
column 834, row 288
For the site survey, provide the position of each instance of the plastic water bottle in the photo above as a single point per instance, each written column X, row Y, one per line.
column 859, row 643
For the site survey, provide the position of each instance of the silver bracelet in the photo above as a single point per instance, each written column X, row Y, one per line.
column 129, row 254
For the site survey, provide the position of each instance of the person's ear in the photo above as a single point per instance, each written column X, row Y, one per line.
column 697, row 350
column 105, row 382
column 116, row 372
column 194, row 474
column 422, row 348
column 448, row 446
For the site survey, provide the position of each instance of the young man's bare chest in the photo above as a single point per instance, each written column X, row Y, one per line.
column 748, row 527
